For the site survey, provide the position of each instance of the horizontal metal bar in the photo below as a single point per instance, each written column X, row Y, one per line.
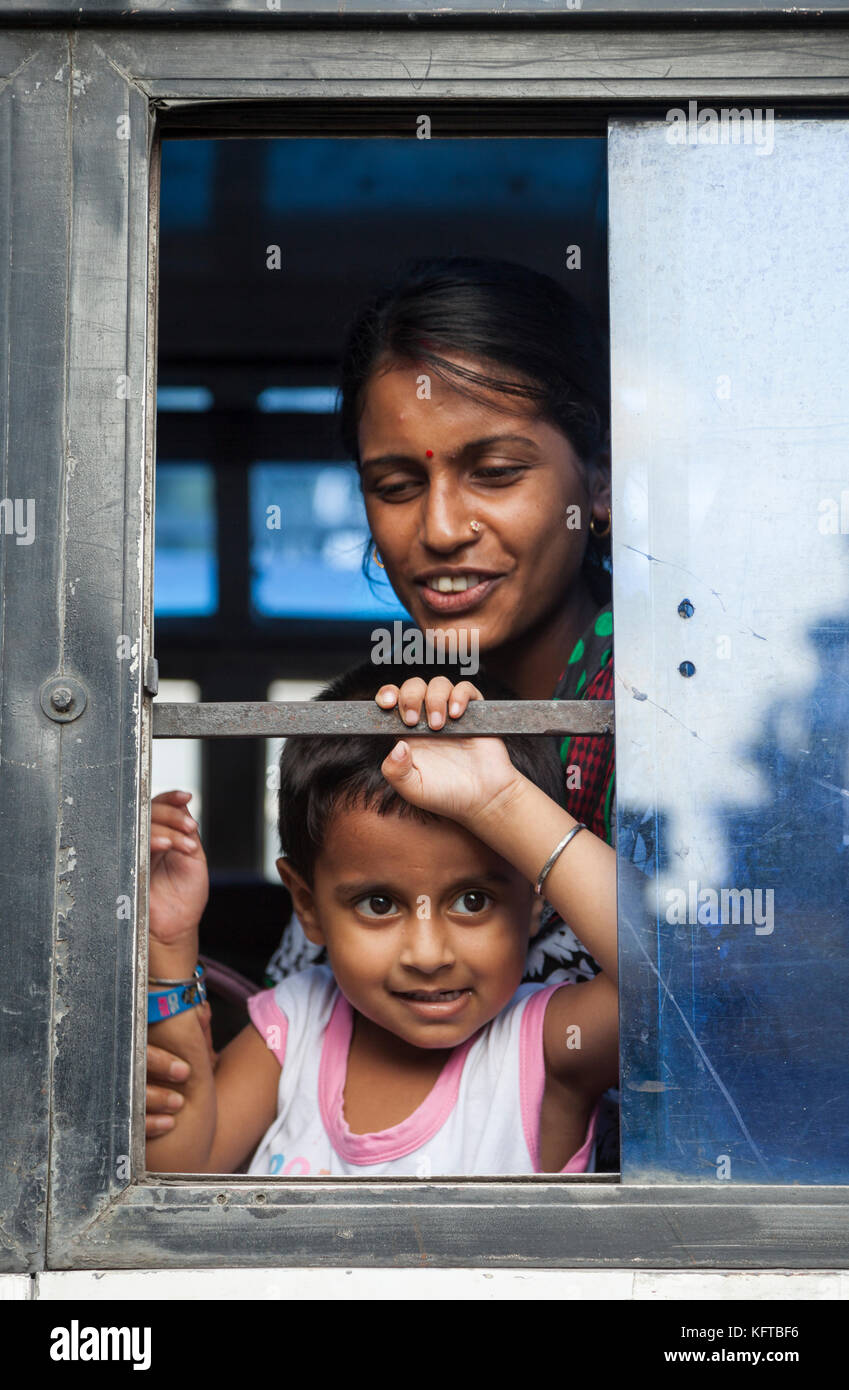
column 265, row 719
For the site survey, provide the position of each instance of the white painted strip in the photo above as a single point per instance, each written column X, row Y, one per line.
column 441, row 1284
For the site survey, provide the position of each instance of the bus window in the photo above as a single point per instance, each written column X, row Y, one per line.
column 268, row 574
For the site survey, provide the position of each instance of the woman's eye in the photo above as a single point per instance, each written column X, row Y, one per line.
column 396, row 491
column 376, row 905
column 507, row 473
column 471, row 902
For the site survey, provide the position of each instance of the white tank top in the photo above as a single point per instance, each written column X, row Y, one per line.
column 481, row 1118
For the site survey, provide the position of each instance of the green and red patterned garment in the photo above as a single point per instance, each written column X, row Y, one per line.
column 589, row 771
column 589, row 762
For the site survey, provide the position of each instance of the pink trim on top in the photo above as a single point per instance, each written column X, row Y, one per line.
column 532, row 1081
column 402, row 1138
column 266, row 1014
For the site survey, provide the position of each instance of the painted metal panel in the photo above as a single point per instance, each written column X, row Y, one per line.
column 304, row 11
column 729, row 305
column 102, row 535
column 33, row 284
column 527, row 1223
column 627, row 65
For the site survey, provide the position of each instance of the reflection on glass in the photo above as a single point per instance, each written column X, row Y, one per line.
column 731, row 564
column 186, row 563
column 308, row 536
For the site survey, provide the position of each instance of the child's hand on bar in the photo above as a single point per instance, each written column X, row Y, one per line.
column 459, row 778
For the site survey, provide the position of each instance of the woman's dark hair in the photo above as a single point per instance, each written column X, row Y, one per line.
column 499, row 313
column 319, row 772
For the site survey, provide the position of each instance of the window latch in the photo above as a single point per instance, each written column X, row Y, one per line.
column 151, row 676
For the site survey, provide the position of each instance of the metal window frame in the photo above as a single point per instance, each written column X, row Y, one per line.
column 77, row 304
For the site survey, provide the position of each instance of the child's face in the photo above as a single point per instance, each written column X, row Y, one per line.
column 426, row 928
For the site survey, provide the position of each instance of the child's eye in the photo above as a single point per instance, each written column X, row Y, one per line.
column 471, row 902
column 376, row 905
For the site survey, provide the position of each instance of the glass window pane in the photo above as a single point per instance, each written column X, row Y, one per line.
column 729, row 305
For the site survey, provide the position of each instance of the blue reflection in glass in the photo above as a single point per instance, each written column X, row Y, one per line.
column 308, row 535
column 186, row 561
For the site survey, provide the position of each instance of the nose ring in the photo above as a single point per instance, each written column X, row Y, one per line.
column 475, row 525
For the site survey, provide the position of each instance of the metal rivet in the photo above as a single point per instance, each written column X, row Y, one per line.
column 687, row 668
column 63, row 698
column 685, row 608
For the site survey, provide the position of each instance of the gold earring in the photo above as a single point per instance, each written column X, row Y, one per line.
column 599, row 535
column 377, row 559
column 475, row 525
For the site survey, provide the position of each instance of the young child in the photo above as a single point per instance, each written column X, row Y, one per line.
column 416, row 1051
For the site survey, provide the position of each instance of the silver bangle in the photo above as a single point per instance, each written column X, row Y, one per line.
column 552, row 858
column 193, row 979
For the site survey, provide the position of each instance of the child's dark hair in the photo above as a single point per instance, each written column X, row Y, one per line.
column 317, row 773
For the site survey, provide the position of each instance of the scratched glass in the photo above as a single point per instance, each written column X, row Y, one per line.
column 729, row 305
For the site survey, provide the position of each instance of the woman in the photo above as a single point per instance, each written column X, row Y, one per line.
column 475, row 399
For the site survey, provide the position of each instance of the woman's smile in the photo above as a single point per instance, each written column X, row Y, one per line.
column 457, row 590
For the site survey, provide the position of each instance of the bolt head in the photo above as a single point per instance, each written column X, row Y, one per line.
column 62, row 698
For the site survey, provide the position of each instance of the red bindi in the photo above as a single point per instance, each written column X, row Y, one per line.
column 429, row 453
